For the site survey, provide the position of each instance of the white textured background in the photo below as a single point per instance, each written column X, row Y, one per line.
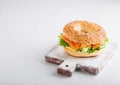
column 28, row 28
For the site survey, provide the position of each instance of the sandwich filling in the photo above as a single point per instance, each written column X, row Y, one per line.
column 81, row 47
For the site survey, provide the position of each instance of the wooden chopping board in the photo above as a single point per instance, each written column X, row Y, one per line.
column 68, row 64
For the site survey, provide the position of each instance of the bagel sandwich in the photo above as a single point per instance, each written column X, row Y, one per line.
column 83, row 39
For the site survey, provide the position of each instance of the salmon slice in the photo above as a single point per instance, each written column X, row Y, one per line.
column 76, row 45
column 72, row 44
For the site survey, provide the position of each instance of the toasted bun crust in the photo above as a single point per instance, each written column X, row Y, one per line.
column 84, row 32
column 81, row 54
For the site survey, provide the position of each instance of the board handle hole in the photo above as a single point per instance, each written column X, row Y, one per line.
column 66, row 65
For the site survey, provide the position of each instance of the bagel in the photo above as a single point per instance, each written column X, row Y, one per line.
column 84, row 32
column 82, row 35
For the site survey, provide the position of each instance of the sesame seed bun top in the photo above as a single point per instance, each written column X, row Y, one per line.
column 84, row 32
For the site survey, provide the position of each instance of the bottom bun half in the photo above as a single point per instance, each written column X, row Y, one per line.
column 82, row 54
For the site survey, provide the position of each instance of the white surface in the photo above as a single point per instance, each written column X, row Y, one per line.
column 28, row 28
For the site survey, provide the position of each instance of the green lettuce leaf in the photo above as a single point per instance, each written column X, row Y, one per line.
column 62, row 42
column 106, row 40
